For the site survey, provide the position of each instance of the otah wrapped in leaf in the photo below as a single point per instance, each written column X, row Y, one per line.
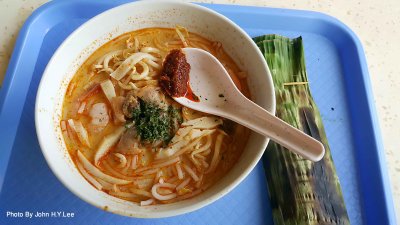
column 301, row 192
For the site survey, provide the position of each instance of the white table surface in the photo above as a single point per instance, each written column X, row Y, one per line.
column 377, row 24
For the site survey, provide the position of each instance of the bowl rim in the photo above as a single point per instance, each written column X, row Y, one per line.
column 41, row 136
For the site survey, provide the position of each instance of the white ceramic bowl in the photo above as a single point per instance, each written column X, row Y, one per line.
column 110, row 24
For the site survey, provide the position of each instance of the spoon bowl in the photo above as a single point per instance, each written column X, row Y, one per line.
column 218, row 95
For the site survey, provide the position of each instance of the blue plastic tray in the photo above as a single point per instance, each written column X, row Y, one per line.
column 339, row 83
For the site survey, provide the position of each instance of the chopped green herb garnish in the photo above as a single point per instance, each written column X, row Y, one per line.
column 154, row 123
column 175, row 114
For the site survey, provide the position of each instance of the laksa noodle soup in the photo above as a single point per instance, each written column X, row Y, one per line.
column 129, row 138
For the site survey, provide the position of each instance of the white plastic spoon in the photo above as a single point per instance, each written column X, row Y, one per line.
column 219, row 96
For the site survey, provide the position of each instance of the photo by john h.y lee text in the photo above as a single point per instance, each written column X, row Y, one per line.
column 37, row 214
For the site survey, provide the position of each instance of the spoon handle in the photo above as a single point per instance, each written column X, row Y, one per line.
column 260, row 120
